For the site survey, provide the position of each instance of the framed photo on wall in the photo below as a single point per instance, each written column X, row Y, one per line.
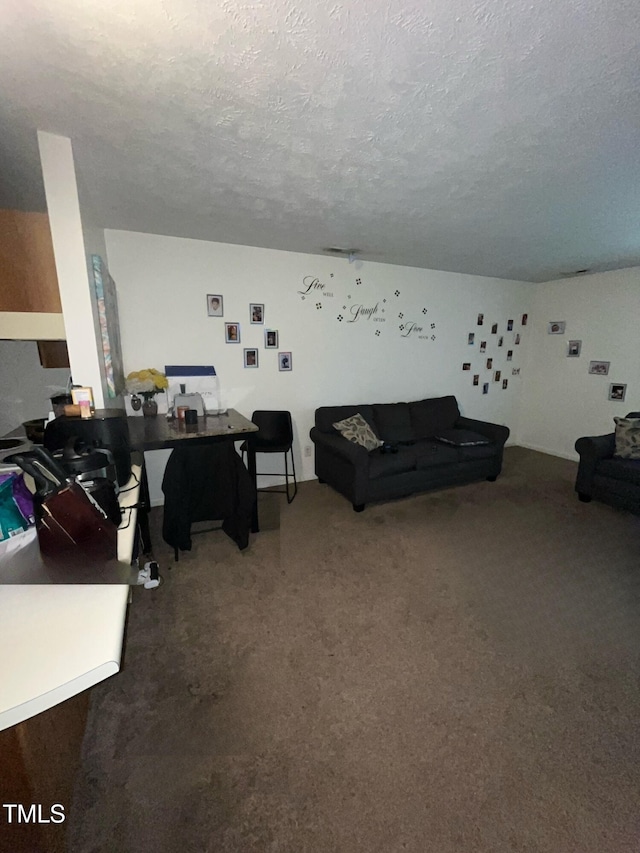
column 284, row 361
column 617, row 392
column 573, row 350
column 271, row 339
column 251, row 358
column 599, row 368
column 232, row 333
column 256, row 313
column 556, row 327
column 215, row 305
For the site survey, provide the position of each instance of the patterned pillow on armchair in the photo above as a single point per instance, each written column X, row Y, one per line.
column 627, row 438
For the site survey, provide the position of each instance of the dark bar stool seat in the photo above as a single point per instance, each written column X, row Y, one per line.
column 275, row 435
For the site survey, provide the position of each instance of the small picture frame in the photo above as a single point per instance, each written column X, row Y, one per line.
column 509, row 325
column 517, row 339
column 250, row 357
column 82, row 395
column 510, row 355
column 496, row 376
column 525, row 318
column 232, row 333
column 480, row 319
column 505, row 384
column 271, row 338
column 617, row 392
column 215, row 305
column 599, row 368
column 466, row 365
column 256, row 313
column 483, row 346
column 485, row 388
column 471, row 339
column 500, row 341
column 489, row 363
column 494, row 329
column 284, row 361
column 476, row 378
column 556, row 327
column 573, row 349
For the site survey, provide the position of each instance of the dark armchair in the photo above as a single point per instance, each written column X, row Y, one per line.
column 603, row 476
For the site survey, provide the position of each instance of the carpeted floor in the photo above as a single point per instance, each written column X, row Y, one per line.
column 453, row 672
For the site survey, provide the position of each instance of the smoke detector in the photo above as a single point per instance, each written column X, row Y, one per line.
column 351, row 254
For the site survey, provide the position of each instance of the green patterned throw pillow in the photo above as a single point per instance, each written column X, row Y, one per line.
column 356, row 429
column 627, row 438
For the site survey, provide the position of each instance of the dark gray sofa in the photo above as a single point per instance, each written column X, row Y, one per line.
column 420, row 463
column 604, row 477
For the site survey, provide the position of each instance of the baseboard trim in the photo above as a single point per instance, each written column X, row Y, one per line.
column 573, row 457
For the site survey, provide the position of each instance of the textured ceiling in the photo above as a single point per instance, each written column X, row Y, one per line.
column 496, row 137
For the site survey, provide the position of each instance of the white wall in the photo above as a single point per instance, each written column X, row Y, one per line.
column 26, row 386
column 561, row 400
column 163, row 283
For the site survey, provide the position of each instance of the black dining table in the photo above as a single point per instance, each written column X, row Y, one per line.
column 161, row 433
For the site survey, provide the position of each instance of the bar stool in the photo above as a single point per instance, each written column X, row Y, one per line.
column 275, row 435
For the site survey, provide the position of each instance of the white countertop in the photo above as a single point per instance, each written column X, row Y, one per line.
column 56, row 640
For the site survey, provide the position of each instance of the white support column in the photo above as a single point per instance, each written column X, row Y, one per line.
column 78, row 305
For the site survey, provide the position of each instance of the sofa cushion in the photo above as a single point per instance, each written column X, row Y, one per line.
column 429, row 417
column 357, row 430
column 461, row 437
column 326, row 416
column 620, row 469
column 393, row 421
column 386, row 464
column 467, row 453
column 627, row 438
column 431, row 453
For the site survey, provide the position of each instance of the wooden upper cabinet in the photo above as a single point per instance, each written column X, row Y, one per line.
column 28, row 279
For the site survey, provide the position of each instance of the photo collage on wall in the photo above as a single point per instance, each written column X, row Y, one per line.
column 617, row 390
column 495, row 347
column 233, row 333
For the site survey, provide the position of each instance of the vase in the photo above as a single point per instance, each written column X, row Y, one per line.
column 149, row 408
column 136, row 403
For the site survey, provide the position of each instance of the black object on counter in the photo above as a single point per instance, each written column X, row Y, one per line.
column 106, row 429
column 191, row 417
column 34, row 429
column 86, row 462
column 59, row 402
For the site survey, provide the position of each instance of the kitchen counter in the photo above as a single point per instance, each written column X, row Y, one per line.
column 56, row 640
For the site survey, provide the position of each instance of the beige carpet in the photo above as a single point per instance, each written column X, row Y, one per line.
column 453, row 672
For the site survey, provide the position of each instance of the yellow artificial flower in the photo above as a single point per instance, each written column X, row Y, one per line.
column 146, row 382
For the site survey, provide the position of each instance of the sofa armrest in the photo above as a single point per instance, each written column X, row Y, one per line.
column 594, row 447
column 351, row 452
column 495, row 432
column 591, row 450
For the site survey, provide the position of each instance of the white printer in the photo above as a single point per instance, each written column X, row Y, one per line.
column 196, row 386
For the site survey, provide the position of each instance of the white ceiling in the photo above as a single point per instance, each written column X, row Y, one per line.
column 496, row 137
